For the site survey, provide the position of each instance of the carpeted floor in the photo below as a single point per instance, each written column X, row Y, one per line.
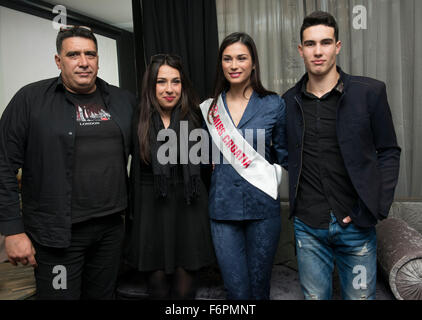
column 284, row 286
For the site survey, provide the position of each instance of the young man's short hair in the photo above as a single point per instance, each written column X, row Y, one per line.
column 318, row 18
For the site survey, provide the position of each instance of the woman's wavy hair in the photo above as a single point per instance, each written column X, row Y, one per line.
column 188, row 102
column 222, row 84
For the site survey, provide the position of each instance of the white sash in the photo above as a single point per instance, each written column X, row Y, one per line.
column 248, row 163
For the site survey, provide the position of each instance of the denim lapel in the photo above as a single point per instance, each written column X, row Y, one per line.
column 252, row 108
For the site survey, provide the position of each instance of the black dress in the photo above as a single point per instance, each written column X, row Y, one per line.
column 166, row 233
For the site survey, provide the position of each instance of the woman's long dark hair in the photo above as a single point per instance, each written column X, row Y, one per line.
column 222, row 84
column 189, row 101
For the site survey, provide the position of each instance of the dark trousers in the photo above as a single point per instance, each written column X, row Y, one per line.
column 88, row 268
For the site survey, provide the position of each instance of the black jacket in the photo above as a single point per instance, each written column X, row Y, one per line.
column 367, row 141
column 37, row 134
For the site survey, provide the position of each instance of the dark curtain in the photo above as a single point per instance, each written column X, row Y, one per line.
column 187, row 28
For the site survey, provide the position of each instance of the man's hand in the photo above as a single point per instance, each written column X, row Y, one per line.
column 347, row 220
column 19, row 249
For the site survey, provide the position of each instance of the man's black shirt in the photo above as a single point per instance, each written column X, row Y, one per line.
column 99, row 167
column 324, row 184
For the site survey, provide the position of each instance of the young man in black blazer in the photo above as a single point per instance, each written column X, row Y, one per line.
column 343, row 166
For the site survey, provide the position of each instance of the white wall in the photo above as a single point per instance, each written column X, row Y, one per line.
column 27, row 49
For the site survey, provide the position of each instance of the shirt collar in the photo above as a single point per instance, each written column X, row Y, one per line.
column 339, row 87
column 59, row 83
column 100, row 84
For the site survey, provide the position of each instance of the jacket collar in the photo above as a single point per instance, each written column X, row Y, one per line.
column 254, row 105
column 101, row 84
column 344, row 77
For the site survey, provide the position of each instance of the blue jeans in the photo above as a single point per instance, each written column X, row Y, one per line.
column 245, row 252
column 353, row 249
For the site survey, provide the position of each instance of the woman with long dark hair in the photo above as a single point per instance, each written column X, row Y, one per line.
column 168, row 233
column 247, row 123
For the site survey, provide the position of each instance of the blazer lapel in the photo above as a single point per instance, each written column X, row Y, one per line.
column 254, row 105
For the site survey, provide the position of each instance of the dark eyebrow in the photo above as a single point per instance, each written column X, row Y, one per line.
column 70, row 53
column 91, row 52
column 309, row 42
column 239, row 55
column 162, row 78
column 327, row 40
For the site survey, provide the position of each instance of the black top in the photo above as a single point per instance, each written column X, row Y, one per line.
column 324, row 184
column 99, row 183
column 37, row 134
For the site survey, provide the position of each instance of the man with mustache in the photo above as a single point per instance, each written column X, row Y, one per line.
column 71, row 137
